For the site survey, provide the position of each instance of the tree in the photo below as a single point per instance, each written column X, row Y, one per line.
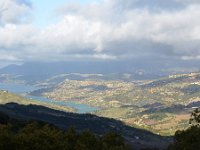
column 113, row 141
column 195, row 117
column 7, row 140
column 71, row 138
column 188, row 139
column 17, row 135
column 87, row 141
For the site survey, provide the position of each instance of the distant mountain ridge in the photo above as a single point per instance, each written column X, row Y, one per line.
column 37, row 71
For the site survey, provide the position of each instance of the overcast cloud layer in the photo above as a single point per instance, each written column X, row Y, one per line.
column 104, row 30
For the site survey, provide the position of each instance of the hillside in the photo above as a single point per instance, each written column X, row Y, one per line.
column 21, row 134
column 155, row 105
column 98, row 125
column 7, row 97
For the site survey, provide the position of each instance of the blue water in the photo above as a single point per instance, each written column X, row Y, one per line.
column 81, row 108
column 17, row 88
column 24, row 89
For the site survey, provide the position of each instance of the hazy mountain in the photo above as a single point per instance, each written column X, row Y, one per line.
column 37, row 71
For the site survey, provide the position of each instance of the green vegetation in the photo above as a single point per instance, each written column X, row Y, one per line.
column 157, row 105
column 21, row 135
column 98, row 125
column 160, row 104
column 188, row 139
column 6, row 97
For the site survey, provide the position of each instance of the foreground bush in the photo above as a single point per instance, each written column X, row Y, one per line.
column 188, row 139
column 41, row 136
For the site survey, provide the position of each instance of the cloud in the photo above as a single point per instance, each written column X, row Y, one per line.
column 105, row 30
column 13, row 11
column 140, row 31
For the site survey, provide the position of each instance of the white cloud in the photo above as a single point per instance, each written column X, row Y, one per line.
column 111, row 29
column 176, row 29
column 13, row 11
column 14, row 37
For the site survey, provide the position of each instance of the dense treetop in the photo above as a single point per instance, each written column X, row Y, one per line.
column 17, row 135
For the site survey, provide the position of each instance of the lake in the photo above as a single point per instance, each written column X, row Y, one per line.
column 23, row 89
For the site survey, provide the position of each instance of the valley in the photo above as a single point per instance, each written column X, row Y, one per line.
column 161, row 106
column 20, row 94
column 156, row 105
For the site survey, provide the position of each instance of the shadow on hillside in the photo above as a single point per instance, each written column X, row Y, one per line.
column 98, row 125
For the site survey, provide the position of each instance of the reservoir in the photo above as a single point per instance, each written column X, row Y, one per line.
column 22, row 89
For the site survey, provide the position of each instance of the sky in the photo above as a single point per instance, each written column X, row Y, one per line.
column 99, row 30
column 45, row 11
